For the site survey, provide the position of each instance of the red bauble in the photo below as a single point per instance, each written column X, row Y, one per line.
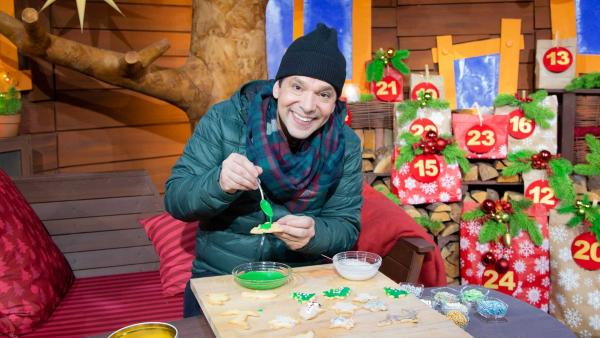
column 545, row 155
column 536, row 164
column 506, row 206
column 431, row 135
column 502, row 265
column 422, row 145
column 488, row 206
column 535, row 157
column 431, row 144
column 488, row 259
column 441, row 144
column 426, row 150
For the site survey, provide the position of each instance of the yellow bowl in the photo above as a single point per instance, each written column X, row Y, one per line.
column 146, row 330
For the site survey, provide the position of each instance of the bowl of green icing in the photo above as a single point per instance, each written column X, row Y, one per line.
column 261, row 275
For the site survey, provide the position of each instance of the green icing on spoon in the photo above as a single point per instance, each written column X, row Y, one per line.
column 265, row 206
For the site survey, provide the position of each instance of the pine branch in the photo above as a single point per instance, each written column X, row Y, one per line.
column 505, row 100
column 592, row 168
column 375, row 70
column 521, row 205
column 408, row 112
column 560, row 180
column 453, row 154
column 540, row 114
column 473, row 214
column 431, row 225
column 534, row 232
column 490, row 231
column 587, row 81
column 520, row 155
column 515, row 168
column 399, row 64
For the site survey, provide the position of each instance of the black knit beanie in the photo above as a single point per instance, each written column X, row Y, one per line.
column 315, row 55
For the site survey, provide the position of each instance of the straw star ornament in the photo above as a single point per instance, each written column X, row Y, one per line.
column 81, row 8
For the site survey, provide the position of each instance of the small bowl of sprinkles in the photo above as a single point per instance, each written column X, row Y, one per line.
column 473, row 294
column 492, row 308
column 445, row 295
column 446, row 307
column 458, row 318
column 414, row 288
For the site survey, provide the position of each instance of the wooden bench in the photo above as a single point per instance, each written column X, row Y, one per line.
column 93, row 218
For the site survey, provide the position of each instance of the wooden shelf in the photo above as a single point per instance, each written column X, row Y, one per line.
column 578, row 91
column 492, row 183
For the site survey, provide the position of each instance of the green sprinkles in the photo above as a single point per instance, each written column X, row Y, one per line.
column 302, row 297
column 337, row 293
column 395, row 293
column 473, row 295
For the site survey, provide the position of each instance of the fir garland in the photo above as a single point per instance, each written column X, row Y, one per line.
column 531, row 106
column 583, row 211
column 558, row 169
column 382, row 58
column 408, row 109
column 592, row 168
column 451, row 152
column 10, row 103
column 502, row 217
column 587, row 81
column 429, row 224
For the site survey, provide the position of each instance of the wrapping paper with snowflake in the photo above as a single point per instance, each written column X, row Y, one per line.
column 575, row 297
column 427, row 179
column 521, row 270
column 483, row 136
column 426, row 119
column 524, row 133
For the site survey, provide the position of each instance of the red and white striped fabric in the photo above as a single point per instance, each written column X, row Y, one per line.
column 175, row 244
column 104, row 304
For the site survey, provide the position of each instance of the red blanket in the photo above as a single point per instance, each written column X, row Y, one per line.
column 383, row 223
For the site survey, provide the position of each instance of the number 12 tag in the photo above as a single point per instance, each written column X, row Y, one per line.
column 539, row 191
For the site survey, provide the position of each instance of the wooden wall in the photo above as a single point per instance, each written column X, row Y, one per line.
column 79, row 124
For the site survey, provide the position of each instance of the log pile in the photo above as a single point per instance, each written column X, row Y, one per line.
column 490, row 171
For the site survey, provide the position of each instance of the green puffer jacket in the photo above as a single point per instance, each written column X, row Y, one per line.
column 223, row 240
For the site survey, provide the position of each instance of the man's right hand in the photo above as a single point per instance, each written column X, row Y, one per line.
column 238, row 173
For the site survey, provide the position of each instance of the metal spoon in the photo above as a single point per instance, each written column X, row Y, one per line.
column 265, row 206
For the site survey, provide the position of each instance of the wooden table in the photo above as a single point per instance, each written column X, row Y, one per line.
column 316, row 279
column 522, row 320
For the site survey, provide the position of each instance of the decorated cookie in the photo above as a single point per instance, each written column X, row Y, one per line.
column 346, row 323
column 403, row 316
column 338, row 293
column 342, row 308
column 375, row 305
column 395, row 293
column 363, row 298
column 302, row 297
column 307, row 334
column 266, row 228
column 283, row 322
column 218, row 298
column 310, row 310
column 259, row 295
column 240, row 318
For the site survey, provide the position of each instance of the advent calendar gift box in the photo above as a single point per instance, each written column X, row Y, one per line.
column 575, row 276
column 555, row 63
column 521, row 270
column 417, row 118
column 524, row 133
column 485, row 137
column 427, row 179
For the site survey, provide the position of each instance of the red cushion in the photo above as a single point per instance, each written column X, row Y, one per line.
column 383, row 223
column 175, row 243
column 34, row 274
column 104, row 304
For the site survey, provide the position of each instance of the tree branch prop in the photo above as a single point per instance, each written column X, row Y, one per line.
column 559, row 171
column 531, row 106
column 221, row 59
column 592, row 168
column 583, row 212
column 500, row 217
column 587, row 81
column 382, row 58
column 431, row 225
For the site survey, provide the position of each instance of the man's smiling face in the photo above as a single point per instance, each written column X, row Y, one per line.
column 304, row 104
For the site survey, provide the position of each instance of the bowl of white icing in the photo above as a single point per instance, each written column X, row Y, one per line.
column 357, row 265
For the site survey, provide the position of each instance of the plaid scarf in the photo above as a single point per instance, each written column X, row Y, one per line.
column 300, row 180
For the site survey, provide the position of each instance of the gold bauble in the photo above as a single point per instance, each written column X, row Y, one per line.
column 507, row 239
column 505, row 218
column 581, row 211
column 390, row 52
column 578, row 204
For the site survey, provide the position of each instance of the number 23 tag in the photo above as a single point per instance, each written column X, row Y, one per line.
column 480, row 139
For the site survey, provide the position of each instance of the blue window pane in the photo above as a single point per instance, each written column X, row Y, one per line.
column 336, row 14
column 477, row 80
column 278, row 31
column 588, row 26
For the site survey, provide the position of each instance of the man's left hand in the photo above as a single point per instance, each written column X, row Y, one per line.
column 297, row 230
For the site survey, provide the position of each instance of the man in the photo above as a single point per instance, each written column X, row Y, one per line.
column 289, row 137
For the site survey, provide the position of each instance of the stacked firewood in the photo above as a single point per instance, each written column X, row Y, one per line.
column 489, row 171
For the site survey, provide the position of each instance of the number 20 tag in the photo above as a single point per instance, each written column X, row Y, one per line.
column 586, row 252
